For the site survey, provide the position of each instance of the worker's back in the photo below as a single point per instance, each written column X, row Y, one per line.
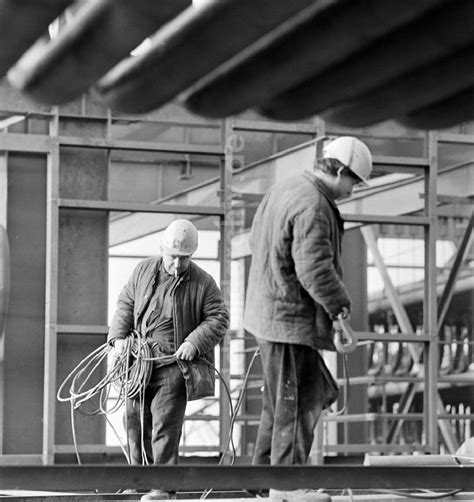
column 296, row 269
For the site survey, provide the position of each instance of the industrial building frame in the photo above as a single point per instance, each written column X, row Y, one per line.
column 50, row 146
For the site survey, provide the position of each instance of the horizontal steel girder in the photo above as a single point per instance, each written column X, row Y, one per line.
column 381, row 203
column 184, row 478
column 389, row 197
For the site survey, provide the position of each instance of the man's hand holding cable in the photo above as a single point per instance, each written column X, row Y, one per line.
column 119, row 346
column 336, row 326
column 186, row 351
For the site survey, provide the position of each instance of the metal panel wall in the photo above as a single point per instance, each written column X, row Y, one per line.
column 82, row 276
column 24, row 333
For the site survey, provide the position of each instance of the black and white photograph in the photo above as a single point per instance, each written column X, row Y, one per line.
column 236, row 250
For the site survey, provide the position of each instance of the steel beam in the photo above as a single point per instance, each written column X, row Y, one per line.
column 225, row 246
column 259, row 176
column 461, row 254
column 40, row 143
column 381, row 448
column 51, row 306
column 391, row 292
column 21, row 459
column 98, row 37
column 413, row 162
column 404, row 406
column 192, row 42
column 145, row 146
column 281, row 127
column 390, row 199
column 405, row 460
column 403, row 320
column 74, row 329
column 431, row 350
column 133, row 226
column 388, row 337
column 4, row 278
column 461, row 379
column 21, row 23
column 95, row 205
column 35, row 143
column 285, row 58
column 198, row 477
column 393, row 220
column 445, row 137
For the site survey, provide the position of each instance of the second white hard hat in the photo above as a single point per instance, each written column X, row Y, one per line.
column 180, row 238
column 352, row 153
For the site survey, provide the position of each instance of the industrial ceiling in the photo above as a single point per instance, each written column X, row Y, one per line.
column 354, row 62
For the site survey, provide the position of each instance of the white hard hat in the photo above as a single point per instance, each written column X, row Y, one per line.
column 180, row 238
column 352, row 153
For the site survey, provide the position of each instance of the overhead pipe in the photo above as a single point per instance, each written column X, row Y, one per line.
column 192, row 45
column 422, row 87
column 287, row 58
column 426, row 39
column 97, row 38
column 446, row 113
column 22, row 23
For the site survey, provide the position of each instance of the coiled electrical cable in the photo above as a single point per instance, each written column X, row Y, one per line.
column 129, row 374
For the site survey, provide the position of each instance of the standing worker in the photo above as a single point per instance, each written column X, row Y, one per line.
column 295, row 294
column 179, row 309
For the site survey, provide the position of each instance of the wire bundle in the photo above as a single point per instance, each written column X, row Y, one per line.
column 130, row 373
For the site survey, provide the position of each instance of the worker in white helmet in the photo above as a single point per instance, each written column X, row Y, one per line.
column 295, row 294
column 177, row 307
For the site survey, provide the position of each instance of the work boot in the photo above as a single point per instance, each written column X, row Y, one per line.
column 303, row 495
column 158, row 494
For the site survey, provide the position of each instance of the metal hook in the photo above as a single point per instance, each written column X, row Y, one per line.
column 345, row 339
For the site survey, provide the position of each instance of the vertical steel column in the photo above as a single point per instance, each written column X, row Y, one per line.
column 322, row 426
column 51, row 295
column 225, row 249
column 3, row 222
column 320, row 125
column 430, row 397
column 3, row 188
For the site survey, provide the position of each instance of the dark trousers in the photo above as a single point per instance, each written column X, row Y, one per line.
column 297, row 388
column 154, row 423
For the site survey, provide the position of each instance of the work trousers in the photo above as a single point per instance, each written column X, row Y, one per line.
column 297, row 387
column 154, row 423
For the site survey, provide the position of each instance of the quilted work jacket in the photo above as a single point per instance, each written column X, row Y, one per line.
column 295, row 282
column 200, row 316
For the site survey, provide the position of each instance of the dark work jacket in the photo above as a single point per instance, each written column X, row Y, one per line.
column 199, row 312
column 295, row 282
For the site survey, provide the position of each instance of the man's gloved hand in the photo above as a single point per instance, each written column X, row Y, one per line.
column 119, row 346
column 186, row 351
column 345, row 315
